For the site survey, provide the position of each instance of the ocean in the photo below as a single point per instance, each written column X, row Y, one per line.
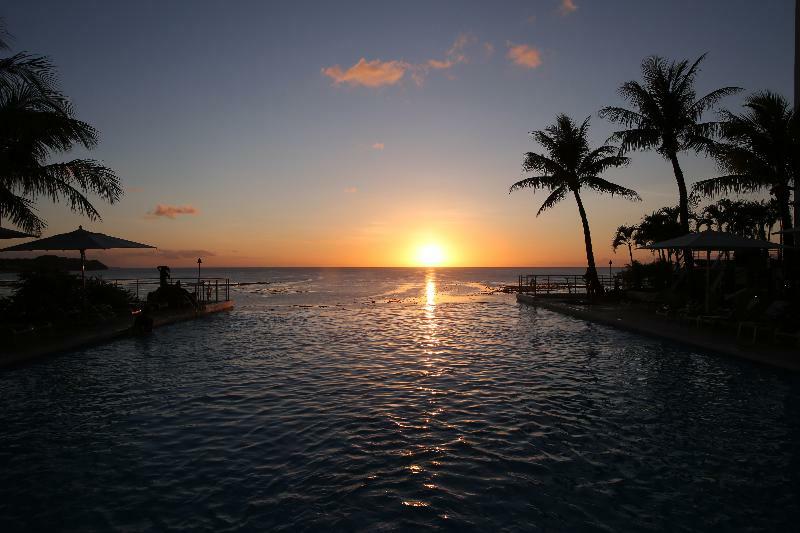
column 394, row 400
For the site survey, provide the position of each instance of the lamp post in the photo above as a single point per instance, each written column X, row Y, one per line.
column 610, row 275
column 199, row 261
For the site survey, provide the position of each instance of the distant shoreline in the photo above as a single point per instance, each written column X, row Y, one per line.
column 48, row 262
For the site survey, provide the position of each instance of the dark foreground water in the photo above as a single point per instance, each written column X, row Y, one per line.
column 382, row 400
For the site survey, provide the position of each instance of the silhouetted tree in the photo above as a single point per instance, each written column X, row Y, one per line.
column 625, row 237
column 717, row 215
column 22, row 67
column 567, row 166
column 37, row 123
column 658, row 226
column 761, row 151
column 666, row 116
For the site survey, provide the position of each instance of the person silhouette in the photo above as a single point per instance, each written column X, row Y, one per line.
column 163, row 275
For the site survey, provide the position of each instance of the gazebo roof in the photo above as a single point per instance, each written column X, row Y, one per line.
column 712, row 240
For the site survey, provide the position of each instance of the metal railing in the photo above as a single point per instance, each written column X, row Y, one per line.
column 205, row 290
column 561, row 284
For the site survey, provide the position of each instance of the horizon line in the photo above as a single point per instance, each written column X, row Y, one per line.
column 341, row 267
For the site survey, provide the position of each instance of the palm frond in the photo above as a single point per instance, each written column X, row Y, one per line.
column 534, row 162
column 601, row 185
column 737, row 183
column 622, row 116
column 20, row 211
column 35, row 72
column 710, row 100
column 599, row 160
column 535, row 183
column 623, row 236
column 4, row 35
column 554, row 197
column 635, row 139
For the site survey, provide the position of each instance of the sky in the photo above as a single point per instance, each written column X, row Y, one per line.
column 369, row 133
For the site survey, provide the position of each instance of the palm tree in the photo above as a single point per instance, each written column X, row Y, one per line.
column 35, row 70
column 666, row 116
column 660, row 225
column 568, row 166
column 37, row 123
column 625, row 235
column 717, row 215
column 761, row 151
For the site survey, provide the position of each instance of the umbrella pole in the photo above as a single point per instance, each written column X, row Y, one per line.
column 708, row 278
column 83, row 276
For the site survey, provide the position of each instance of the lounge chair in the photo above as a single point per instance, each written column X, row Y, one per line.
column 723, row 317
column 767, row 321
column 781, row 335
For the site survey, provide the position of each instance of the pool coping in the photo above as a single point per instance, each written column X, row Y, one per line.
column 101, row 334
column 632, row 319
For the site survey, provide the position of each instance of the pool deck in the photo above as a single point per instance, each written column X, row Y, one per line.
column 91, row 336
column 634, row 318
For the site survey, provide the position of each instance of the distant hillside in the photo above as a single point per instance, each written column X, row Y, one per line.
column 48, row 262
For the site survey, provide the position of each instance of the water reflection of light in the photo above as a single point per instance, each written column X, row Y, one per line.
column 430, row 290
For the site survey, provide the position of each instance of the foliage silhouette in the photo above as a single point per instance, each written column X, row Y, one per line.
column 567, row 166
column 37, row 123
column 760, row 152
column 666, row 117
column 625, row 237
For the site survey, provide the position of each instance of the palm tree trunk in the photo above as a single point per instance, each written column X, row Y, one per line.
column 593, row 286
column 683, row 196
column 796, row 65
column 683, row 203
column 782, row 194
column 792, row 266
column 630, row 252
column 790, row 258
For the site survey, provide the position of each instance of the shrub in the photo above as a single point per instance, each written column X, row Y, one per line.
column 52, row 295
column 656, row 275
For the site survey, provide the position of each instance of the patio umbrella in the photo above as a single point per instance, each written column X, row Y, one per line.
column 80, row 240
column 712, row 240
column 6, row 233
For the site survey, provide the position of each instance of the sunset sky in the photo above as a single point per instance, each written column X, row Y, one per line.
column 358, row 133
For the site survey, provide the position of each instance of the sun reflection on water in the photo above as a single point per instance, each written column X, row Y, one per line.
column 430, row 292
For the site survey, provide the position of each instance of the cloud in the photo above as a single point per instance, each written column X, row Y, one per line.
column 351, row 190
column 161, row 253
column 488, row 49
column 169, row 211
column 185, row 254
column 567, row 7
column 378, row 73
column 372, row 74
column 439, row 64
column 524, row 55
column 133, row 189
column 455, row 55
column 378, row 146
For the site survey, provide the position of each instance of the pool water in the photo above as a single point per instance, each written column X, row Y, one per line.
column 396, row 399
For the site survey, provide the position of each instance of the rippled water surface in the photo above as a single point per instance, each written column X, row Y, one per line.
column 381, row 400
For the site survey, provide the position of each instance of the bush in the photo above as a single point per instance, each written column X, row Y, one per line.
column 53, row 295
column 656, row 275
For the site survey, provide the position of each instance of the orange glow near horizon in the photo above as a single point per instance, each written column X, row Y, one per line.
column 433, row 233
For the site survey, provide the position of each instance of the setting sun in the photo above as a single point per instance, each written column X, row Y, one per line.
column 430, row 255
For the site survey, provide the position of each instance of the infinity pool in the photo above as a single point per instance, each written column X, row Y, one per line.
column 396, row 400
